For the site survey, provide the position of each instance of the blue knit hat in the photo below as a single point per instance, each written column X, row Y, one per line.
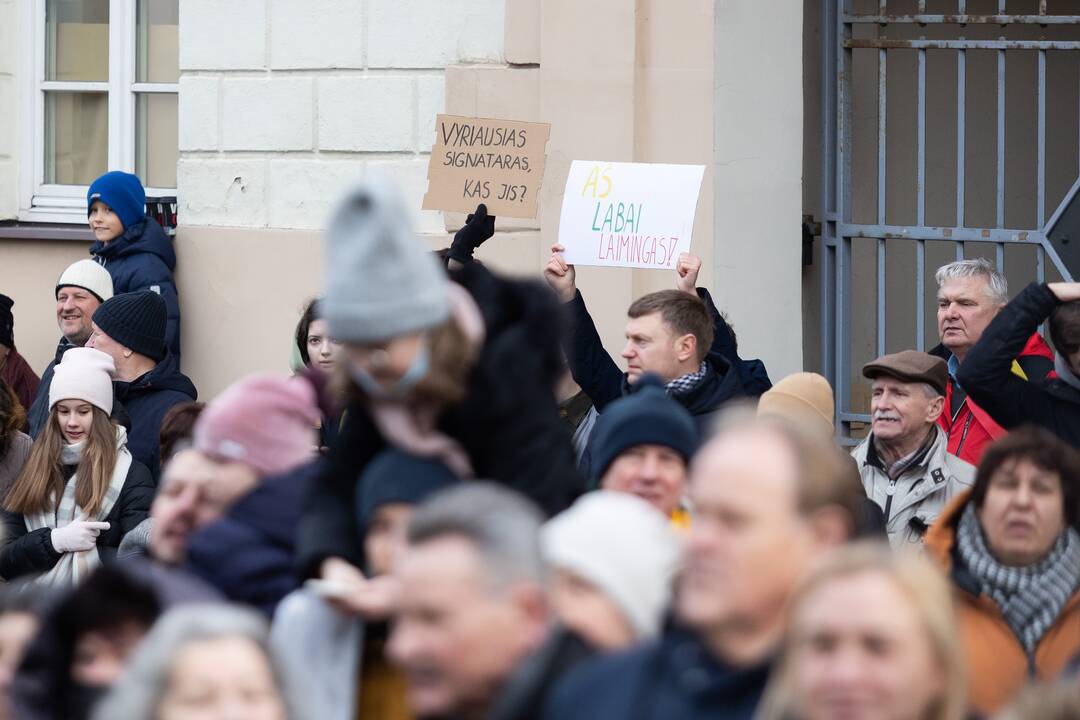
column 137, row 321
column 123, row 193
column 649, row 416
column 397, row 477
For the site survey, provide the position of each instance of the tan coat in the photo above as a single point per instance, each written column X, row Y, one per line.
column 919, row 494
column 997, row 665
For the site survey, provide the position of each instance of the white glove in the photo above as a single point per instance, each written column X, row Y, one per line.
column 77, row 536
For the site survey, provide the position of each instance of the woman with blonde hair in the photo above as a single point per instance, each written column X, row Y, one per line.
column 80, row 490
column 871, row 635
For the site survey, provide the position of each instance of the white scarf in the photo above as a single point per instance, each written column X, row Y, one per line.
column 72, row 567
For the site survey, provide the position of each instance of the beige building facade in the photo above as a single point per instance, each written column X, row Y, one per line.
column 283, row 103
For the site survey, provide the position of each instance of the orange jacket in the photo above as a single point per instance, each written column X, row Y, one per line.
column 997, row 665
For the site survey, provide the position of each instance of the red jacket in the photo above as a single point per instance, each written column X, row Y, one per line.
column 20, row 377
column 971, row 429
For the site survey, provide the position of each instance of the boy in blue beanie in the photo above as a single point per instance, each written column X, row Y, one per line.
column 131, row 245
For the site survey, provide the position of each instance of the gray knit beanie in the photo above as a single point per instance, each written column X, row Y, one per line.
column 381, row 281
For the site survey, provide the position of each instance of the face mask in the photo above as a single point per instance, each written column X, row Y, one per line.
column 401, row 387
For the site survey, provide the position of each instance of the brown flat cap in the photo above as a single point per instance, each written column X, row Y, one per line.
column 910, row 366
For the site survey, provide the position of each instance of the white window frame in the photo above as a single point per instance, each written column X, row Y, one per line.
column 41, row 202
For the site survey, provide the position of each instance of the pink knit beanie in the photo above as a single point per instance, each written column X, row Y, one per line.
column 264, row 421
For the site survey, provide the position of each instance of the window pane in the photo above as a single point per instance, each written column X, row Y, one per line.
column 77, row 40
column 158, row 54
column 157, row 145
column 76, row 137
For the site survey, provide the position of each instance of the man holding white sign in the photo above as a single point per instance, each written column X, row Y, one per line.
column 676, row 334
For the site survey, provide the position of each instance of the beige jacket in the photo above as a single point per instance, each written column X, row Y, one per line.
column 917, row 497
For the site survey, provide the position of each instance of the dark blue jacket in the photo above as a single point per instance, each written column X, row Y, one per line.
column 143, row 259
column 249, row 554
column 38, row 413
column 602, row 380
column 147, row 399
column 675, row 678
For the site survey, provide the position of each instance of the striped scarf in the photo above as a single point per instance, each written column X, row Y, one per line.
column 72, row 567
column 1030, row 598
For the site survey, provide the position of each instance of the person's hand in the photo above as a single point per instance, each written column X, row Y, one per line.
column 687, row 269
column 478, row 227
column 561, row 276
column 77, row 536
column 355, row 594
column 1065, row 292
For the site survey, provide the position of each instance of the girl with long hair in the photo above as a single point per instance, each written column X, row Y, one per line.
column 80, row 490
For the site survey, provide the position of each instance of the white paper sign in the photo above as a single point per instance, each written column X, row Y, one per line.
column 628, row 214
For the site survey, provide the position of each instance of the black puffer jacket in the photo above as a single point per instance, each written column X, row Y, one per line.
column 602, row 380
column 987, row 374
column 147, row 399
column 508, row 422
column 30, row 552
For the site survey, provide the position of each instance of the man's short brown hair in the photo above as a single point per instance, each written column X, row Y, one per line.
column 684, row 313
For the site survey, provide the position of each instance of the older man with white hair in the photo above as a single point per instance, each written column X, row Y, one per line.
column 905, row 466
column 970, row 294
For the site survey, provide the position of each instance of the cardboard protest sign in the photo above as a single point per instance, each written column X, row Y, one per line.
column 628, row 214
column 496, row 162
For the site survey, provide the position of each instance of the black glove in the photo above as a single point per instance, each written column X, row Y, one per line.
column 478, row 227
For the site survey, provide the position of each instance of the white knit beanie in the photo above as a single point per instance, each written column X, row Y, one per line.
column 381, row 279
column 623, row 546
column 84, row 374
column 87, row 275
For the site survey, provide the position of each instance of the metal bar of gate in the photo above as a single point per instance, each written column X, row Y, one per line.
column 828, row 188
column 1001, row 139
column 920, row 211
column 961, row 138
column 955, row 234
column 1041, row 172
column 961, row 133
column 1000, row 249
column 961, row 18
column 924, row 44
column 883, row 93
column 845, row 134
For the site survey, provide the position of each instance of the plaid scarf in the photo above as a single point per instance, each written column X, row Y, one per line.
column 72, row 567
column 682, row 385
column 1030, row 598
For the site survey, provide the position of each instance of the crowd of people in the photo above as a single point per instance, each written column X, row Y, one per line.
column 458, row 505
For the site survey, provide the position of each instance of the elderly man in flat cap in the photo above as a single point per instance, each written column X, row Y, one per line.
column 904, row 462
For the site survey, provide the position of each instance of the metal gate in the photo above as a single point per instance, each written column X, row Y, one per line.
column 858, row 35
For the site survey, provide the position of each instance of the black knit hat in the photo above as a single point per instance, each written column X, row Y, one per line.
column 136, row 320
column 649, row 416
column 7, row 321
column 397, row 477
